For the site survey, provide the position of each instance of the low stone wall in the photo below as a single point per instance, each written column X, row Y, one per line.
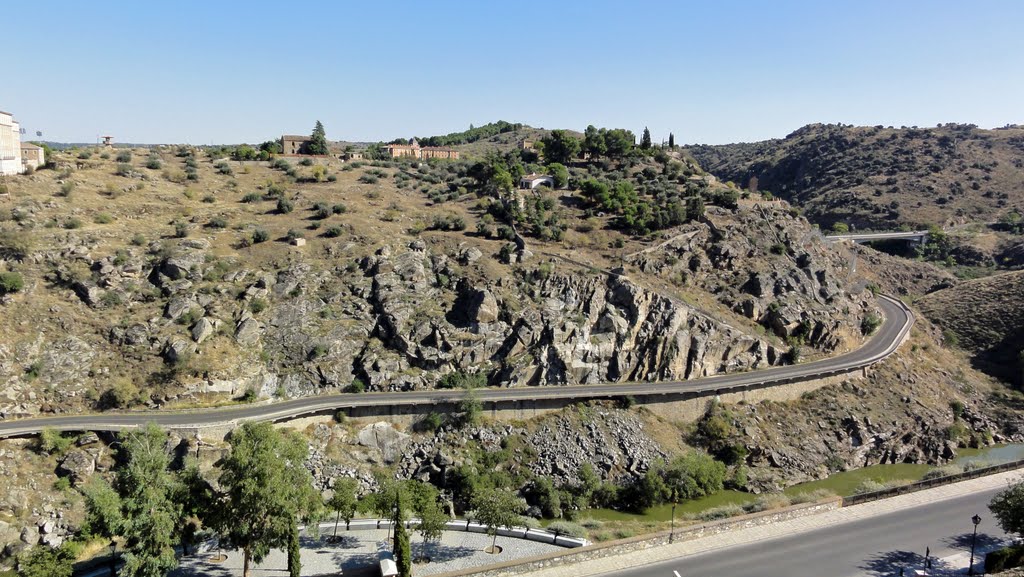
column 623, row 546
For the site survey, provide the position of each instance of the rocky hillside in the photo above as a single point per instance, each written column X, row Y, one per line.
column 171, row 279
column 882, row 178
column 984, row 316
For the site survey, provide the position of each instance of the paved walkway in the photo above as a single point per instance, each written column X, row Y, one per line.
column 789, row 527
column 355, row 553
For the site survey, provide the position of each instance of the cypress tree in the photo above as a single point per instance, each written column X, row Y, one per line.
column 671, row 140
column 402, row 549
column 317, row 141
column 294, row 552
column 645, row 140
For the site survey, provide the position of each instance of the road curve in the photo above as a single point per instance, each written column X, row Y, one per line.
column 898, row 321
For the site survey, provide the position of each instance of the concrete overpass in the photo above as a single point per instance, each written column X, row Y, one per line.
column 898, row 321
column 919, row 236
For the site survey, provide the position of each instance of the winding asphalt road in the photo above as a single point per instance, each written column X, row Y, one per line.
column 898, row 321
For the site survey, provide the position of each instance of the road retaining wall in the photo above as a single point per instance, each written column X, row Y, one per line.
column 622, row 546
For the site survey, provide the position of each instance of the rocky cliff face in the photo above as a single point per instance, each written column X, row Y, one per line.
column 767, row 264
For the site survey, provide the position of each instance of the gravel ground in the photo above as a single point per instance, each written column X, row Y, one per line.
column 355, row 553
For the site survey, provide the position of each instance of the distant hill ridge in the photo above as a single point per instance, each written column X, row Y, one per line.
column 873, row 177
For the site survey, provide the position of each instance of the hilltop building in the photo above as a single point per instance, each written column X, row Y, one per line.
column 32, row 156
column 534, row 180
column 418, row 152
column 293, row 144
column 10, row 145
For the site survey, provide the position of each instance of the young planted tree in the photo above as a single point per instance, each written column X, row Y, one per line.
column 261, row 501
column 343, row 502
column 498, row 508
column 426, row 506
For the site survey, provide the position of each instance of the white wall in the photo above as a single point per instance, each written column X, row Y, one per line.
column 10, row 145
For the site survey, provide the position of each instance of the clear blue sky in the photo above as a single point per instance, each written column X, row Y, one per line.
column 714, row 72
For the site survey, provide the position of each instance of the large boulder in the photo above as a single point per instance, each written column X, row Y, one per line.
column 248, row 332
column 385, row 439
column 77, row 465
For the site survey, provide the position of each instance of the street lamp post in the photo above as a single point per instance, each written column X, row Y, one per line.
column 672, row 531
column 974, row 539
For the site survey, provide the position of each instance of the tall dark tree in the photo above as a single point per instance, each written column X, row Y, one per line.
column 317, row 141
column 593, row 142
column 560, row 147
column 618, row 142
column 645, row 140
column 294, row 553
column 671, row 140
column 401, row 548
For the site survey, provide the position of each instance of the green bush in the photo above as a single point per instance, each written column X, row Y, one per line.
column 259, row 235
column 138, row 240
column 154, row 164
column 11, row 282
column 180, row 229
column 940, row 472
column 333, row 232
column 103, row 218
column 567, row 528
column 356, row 386
column 73, row 223
column 1005, row 558
column 870, row 323
column 54, row 442
column 284, row 206
column 217, row 222
column 257, row 306
column 339, row 209
column 252, row 197
column 124, row 156
column 722, row 512
column 66, row 188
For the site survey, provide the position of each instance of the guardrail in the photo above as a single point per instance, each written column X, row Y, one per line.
column 538, row 535
column 930, row 483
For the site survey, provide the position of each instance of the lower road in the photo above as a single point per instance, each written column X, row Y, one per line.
column 873, row 546
column 892, row 332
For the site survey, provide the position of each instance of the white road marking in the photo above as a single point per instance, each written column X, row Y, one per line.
column 677, row 573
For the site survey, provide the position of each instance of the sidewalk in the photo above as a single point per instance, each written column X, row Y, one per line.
column 790, row 527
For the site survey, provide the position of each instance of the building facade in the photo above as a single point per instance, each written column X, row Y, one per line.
column 10, row 145
column 292, row 144
column 32, row 156
column 534, row 180
column 414, row 150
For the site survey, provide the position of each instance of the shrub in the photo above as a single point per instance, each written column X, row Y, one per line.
column 333, row 232
column 811, row 496
column 368, row 179
column 306, row 162
column 225, row 169
column 153, row 164
column 1006, row 558
column 870, row 323
column 940, row 472
column 432, row 422
column 217, row 222
column 73, row 223
column 252, row 197
column 66, row 187
column 138, row 240
column 722, row 512
column 53, row 441
column 11, row 282
column 123, row 169
column 356, row 386
column 249, row 396
column 768, row 502
column 293, row 234
column 567, row 528
column 259, row 235
column 284, row 206
column 209, row 199
column 103, row 218
column 180, row 229
column 257, row 306
column 339, row 209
